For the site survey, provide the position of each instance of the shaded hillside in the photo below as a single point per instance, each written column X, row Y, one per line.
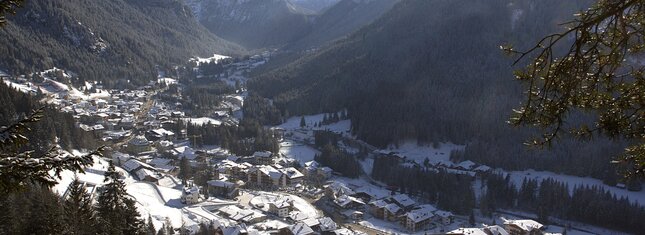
column 284, row 23
column 253, row 23
column 113, row 41
column 432, row 71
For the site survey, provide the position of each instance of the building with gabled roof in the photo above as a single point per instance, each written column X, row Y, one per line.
column 523, row 227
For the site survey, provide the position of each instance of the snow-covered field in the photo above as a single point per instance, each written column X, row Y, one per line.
column 203, row 120
column 293, row 123
column 300, row 152
column 150, row 202
column 261, row 200
column 215, row 58
column 418, row 153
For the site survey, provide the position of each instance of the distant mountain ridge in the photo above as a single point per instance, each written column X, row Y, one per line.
column 285, row 23
column 113, row 41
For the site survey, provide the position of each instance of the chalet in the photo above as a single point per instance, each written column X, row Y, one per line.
column 162, row 164
column 297, row 229
column 222, row 189
column 377, row 208
column 237, row 171
column 466, row 165
column 139, row 144
column 263, row 158
column 324, row 172
column 190, row 195
column 467, row 231
column 494, row 230
column 281, row 207
column 265, row 176
column 419, row 219
column 147, row 175
column 327, row 224
column 142, row 170
column 337, row 189
column 347, row 202
column 353, row 214
column 443, row 217
column 292, row 176
column 523, row 227
column 160, row 134
column 403, row 201
column 310, row 168
column 242, row 215
column 392, row 212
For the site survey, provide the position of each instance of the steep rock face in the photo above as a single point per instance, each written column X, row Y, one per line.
column 105, row 40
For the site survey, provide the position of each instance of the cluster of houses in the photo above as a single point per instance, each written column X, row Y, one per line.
column 397, row 208
column 262, row 170
column 511, row 227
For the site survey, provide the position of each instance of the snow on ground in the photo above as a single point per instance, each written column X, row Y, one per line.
column 518, row 176
column 261, row 201
column 298, row 151
column 418, row 153
column 305, row 207
column 293, row 123
column 167, row 81
column 203, row 120
column 25, row 88
column 215, row 58
column 149, row 201
column 93, row 176
column 362, row 185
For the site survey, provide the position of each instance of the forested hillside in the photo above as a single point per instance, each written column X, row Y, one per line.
column 113, row 41
column 284, row 23
column 55, row 127
column 433, row 71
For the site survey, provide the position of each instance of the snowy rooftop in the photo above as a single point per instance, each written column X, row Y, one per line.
column 468, row 231
column 403, row 199
column 526, row 225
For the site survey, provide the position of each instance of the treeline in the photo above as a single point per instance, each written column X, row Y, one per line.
column 55, row 125
column 38, row 210
column 567, row 156
column 202, row 97
column 339, row 160
column 550, row 198
column 451, row 192
column 245, row 139
column 457, row 87
column 261, row 109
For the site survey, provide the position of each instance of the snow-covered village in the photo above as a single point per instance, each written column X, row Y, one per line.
column 322, row 117
column 180, row 183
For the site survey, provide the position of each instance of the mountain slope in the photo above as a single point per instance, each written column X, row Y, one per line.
column 252, row 23
column 432, row 71
column 314, row 5
column 285, row 23
column 105, row 40
column 342, row 19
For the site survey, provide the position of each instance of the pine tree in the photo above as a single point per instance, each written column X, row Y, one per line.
column 116, row 211
column 150, row 228
column 79, row 213
column 303, row 123
column 18, row 167
column 185, row 170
